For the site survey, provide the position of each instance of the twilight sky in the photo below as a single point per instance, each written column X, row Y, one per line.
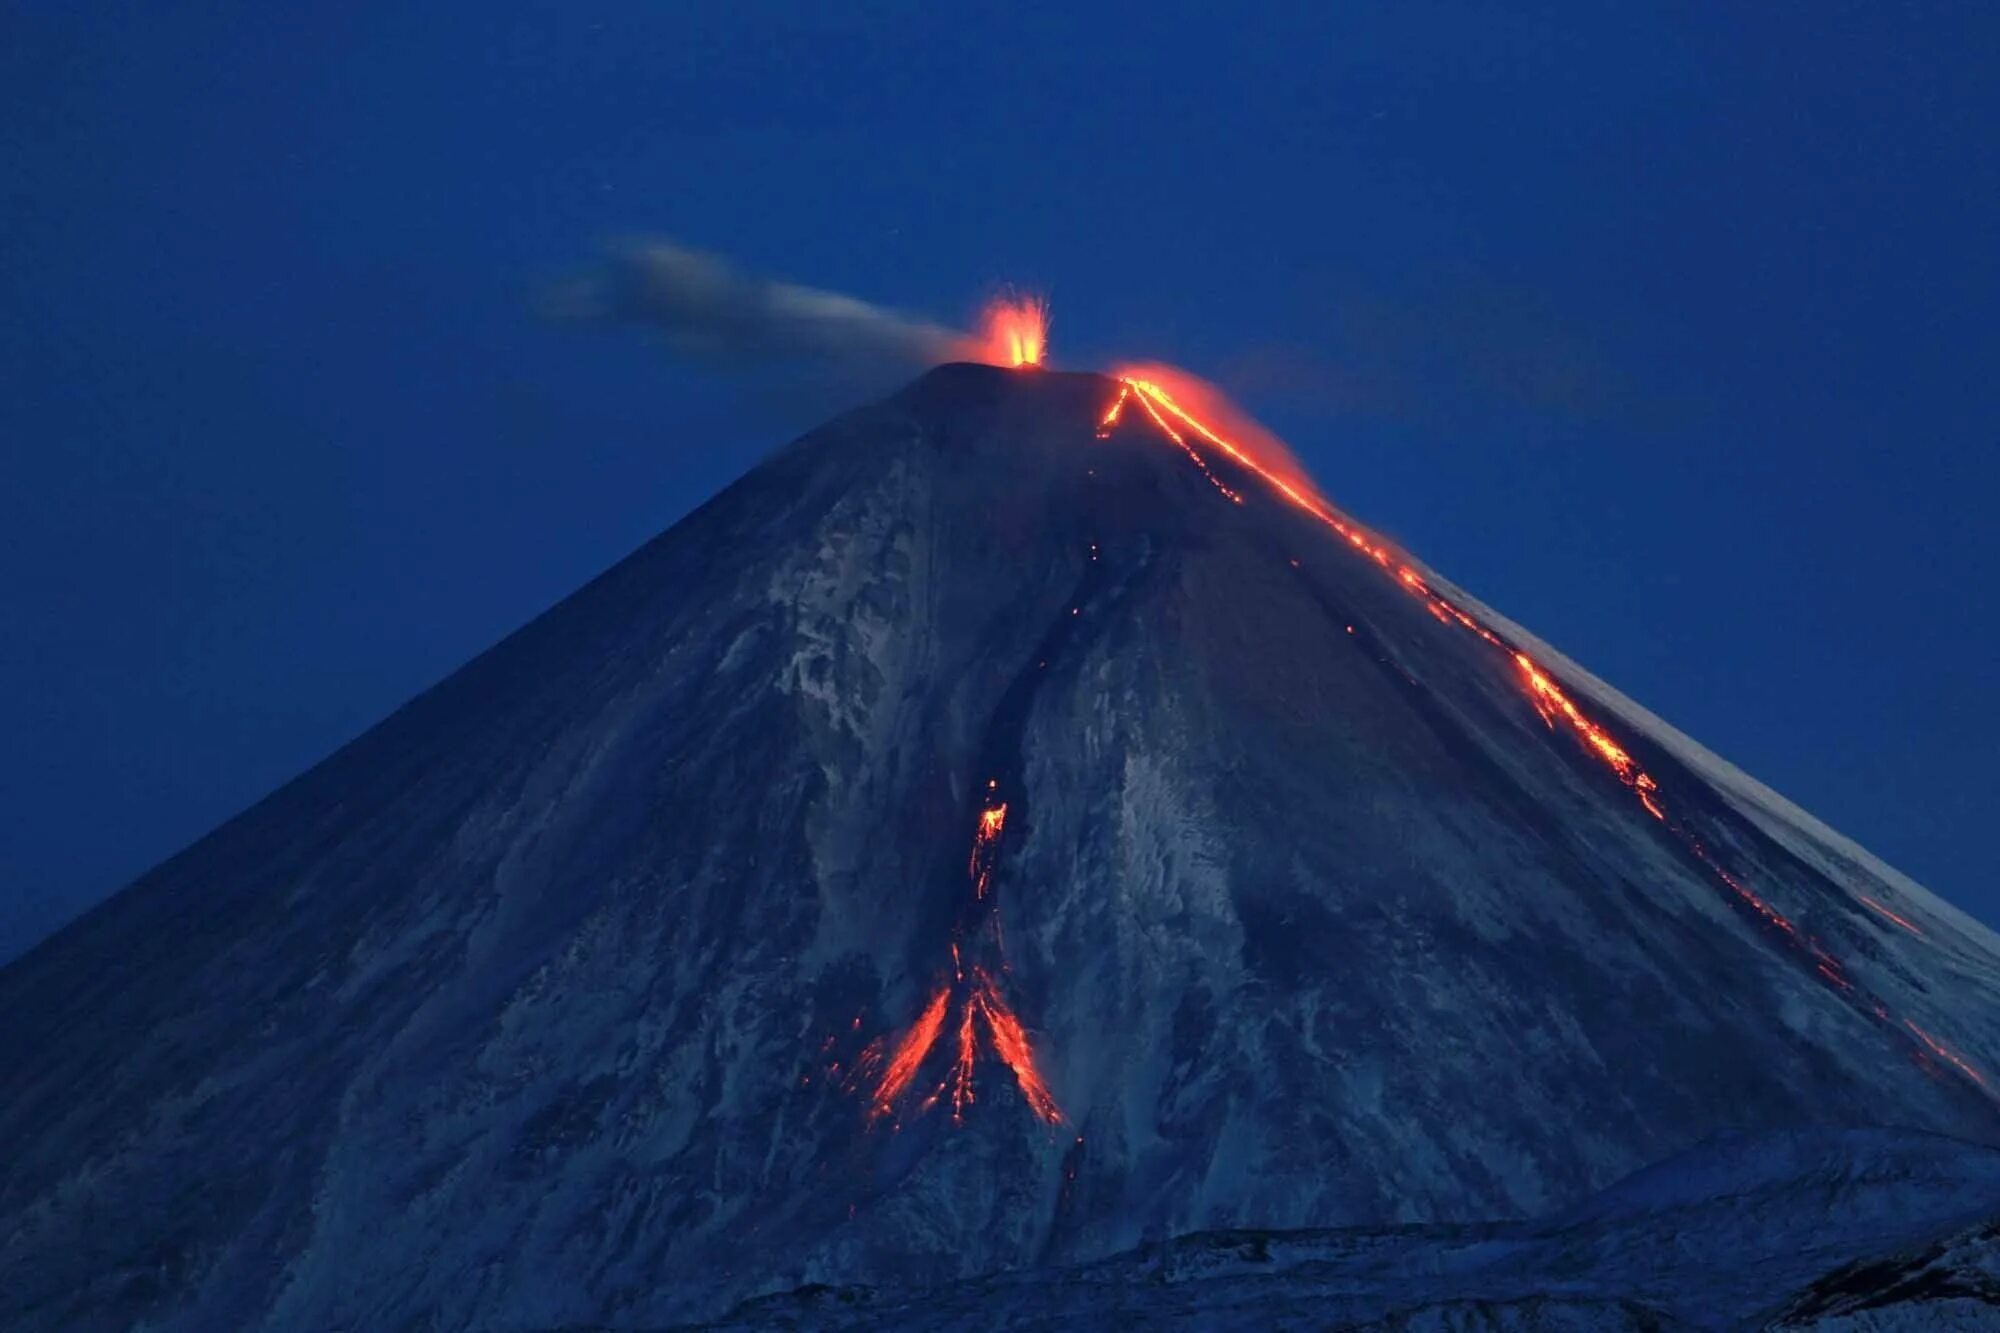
column 1669, row 330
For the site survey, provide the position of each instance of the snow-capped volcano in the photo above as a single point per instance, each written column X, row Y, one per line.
column 673, row 951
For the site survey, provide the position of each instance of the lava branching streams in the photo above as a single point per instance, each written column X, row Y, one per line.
column 885, row 1070
column 1557, row 710
column 967, row 1013
column 1147, row 393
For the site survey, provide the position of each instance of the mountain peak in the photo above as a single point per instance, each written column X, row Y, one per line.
column 1015, row 822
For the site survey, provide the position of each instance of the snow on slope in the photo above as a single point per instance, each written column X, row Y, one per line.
column 1835, row 853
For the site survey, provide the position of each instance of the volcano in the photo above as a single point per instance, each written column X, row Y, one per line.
column 1011, row 825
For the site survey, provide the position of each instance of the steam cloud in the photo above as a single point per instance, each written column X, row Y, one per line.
column 709, row 309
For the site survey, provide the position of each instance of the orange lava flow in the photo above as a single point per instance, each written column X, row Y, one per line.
column 1151, row 393
column 1117, row 407
column 1945, row 1052
column 1014, row 331
column 1545, row 690
column 1751, row 900
column 910, row 1052
column 1011, row 1041
column 979, row 1002
column 961, row 1069
column 1549, row 699
column 1146, row 401
column 985, row 843
column 1645, row 787
column 1904, row 922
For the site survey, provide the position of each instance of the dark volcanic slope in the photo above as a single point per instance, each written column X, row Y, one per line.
column 524, row 1009
column 1860, row 1231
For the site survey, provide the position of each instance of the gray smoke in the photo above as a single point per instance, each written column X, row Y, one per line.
column 710, row 310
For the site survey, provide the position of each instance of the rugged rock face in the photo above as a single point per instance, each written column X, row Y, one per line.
column 567, row 994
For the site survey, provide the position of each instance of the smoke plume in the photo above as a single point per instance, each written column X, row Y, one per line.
column 711, row 310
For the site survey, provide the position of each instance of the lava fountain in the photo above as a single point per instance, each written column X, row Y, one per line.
column 1013, row 331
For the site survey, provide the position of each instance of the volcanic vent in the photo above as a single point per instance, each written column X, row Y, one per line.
column 1016, row 820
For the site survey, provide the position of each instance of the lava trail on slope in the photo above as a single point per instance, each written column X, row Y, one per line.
column 1553, row 704
column 884, row 1070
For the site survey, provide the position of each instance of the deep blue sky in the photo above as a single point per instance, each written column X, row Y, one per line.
column 1668, row 330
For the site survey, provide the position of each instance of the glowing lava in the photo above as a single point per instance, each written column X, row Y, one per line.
column 1015, row 335
column 1944, row 1052
column 1147, row 397
column 1550, row 701
column 1010, row 1040
column 961, row 1069
column 985, row 847
column 1198, row 406
column 1880, row 910
column 909, row 1054
column 1546, row 693
column 981, row 1004
column 1013, row 331
column 1111, row 417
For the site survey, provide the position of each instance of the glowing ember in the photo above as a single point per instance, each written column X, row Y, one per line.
column 1014, row 331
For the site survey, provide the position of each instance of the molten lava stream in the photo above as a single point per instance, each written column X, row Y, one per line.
column 1010, row 1039
column 1111, row 417
column 1146, row 401
column 1550, row 701
column 1884, row 912
column 985, row 847
column 980, row 1002
column 961, row 1069
column 1939, row 1049
column 909, row 1054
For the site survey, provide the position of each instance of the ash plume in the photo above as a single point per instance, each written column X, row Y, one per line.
column 710, row 310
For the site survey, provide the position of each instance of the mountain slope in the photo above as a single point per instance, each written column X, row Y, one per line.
column 579, row 989
column 1887, row 1229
